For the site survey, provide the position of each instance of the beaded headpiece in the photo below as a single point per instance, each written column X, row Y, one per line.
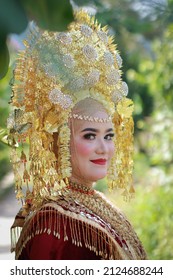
column 52, row 74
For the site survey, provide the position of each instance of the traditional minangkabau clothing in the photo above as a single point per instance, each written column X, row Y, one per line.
column 78, row 226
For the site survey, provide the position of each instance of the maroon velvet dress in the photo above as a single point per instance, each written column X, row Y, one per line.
column 46, row 246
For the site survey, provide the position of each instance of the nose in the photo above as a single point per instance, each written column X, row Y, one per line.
column 101, row 147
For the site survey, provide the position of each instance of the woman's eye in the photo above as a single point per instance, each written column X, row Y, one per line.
column 109, row 136
column 89, row 136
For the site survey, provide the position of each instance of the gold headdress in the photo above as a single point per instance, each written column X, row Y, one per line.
column 53, row 73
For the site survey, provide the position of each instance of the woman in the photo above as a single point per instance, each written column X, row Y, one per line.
column 72, row 108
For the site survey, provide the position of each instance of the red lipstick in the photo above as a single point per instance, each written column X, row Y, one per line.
column 99, row 161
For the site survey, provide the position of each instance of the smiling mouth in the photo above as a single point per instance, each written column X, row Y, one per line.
column 99, row 161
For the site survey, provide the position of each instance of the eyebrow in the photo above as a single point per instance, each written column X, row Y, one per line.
column 96, row 130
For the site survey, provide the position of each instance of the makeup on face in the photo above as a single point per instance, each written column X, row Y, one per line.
column 99, row 161
column 92, row 149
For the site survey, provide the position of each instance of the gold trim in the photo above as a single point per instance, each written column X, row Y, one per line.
column 90, row 119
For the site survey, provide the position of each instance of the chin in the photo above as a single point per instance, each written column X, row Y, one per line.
column 97, row 177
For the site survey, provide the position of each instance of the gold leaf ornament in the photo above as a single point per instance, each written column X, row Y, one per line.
column 125, row 108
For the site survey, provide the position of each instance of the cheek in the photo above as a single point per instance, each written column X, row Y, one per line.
column 83, row 148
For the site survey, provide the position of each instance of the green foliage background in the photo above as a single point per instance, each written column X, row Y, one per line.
column 144, row 35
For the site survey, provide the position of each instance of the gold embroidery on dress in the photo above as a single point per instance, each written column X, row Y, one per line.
column 94, row 235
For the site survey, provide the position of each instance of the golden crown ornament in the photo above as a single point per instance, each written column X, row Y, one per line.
column 54, row 72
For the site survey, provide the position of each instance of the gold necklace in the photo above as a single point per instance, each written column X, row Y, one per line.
column 80, row 188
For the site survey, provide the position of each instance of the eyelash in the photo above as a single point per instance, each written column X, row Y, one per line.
column 111, row 135
column 89, row 136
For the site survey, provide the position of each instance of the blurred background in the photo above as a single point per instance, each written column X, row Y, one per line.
column 143, row 31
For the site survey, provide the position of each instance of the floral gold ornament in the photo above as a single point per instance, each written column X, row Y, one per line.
column 53, row 73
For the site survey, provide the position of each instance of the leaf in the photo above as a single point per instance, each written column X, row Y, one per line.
column 4, row 58
column 3, row 135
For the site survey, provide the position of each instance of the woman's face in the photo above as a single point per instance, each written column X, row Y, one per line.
column 92, row 148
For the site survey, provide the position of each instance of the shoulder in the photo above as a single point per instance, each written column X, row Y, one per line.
column 110, row 205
